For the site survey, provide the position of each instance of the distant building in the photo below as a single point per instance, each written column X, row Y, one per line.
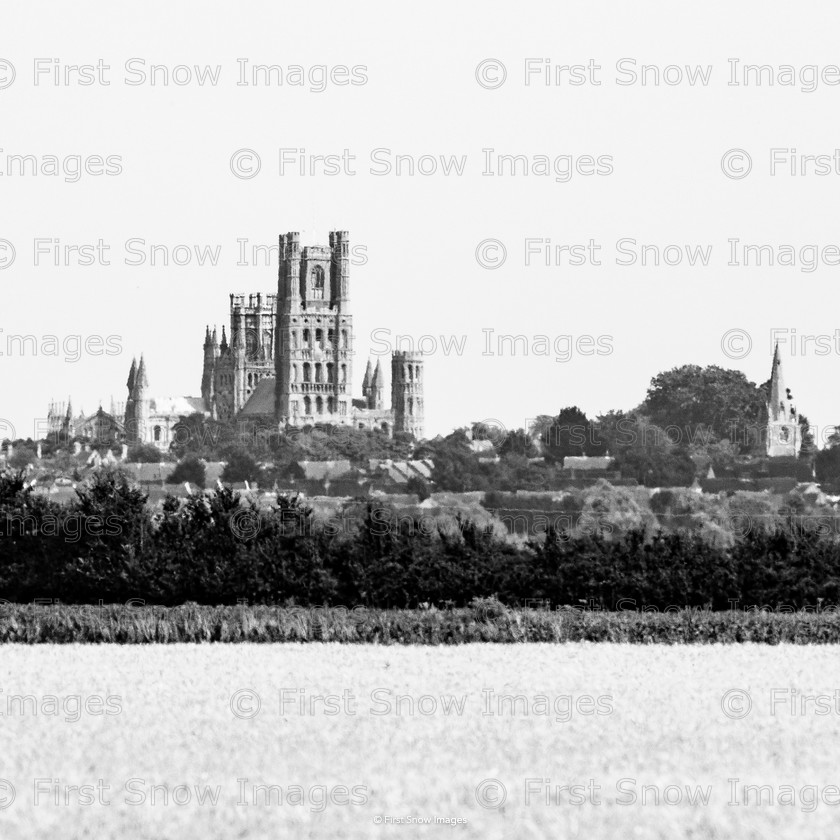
column 151, row 419
column 783, row 433
column 290, row 356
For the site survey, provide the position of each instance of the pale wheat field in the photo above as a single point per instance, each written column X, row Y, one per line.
column 156, row 724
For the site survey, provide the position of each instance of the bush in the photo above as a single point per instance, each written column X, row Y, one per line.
column 145, row 453
column 191, row 470
column 240, row 466
column 212, row 548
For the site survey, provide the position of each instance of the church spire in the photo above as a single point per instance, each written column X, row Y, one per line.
column 782, row 420
column 366, row 380
column 141, row 381
column 376, row 387
column 777, row 387
column 132, row 375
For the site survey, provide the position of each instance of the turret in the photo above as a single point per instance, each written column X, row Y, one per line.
column 366, row 382
column 208, row 373
column 407, row 392
column 340, row 269
column 377, row 386
column 137, row 406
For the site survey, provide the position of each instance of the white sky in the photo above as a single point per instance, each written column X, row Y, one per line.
column 420, row 234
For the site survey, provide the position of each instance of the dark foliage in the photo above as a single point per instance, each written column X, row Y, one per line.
column 218, row 548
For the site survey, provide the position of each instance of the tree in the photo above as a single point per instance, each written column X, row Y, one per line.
column 240, row 466
column 145, row 453
column 189, row 469
column 457, row 468
column 517, row 443
column 827, row 460
column 808, row 447
column 418, row 486
column 571, row 433
column 690, row 399
column 197, row 435
column 644, row 451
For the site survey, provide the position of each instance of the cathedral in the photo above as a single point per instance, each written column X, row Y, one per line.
column 288, row 359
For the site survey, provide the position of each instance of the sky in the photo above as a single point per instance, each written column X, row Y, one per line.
column 460, row 253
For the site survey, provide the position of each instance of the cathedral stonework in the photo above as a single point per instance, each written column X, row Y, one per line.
column 290, row 357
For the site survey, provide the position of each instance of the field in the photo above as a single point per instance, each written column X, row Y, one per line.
column 372, row 732
column 485, row 621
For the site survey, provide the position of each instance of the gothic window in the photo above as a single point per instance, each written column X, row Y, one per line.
column 344, row 338
column 251, row 344
column 330, row 337
column 306, row 338
column 294, row 339
column 307, row 405
column 318, row 372
column 330, row 373
column 411, row 373
column 307, row 372
column 342, row 407
column 344, row 374
column 157, row 434
column 319, row 338
column 294, row 406
column 318, row 283
column 410, row 406
column 319, row 405
column 294, row 373
column 330, row 406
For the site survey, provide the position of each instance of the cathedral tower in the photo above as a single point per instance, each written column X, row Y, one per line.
column 313, row 353
column 407, row 392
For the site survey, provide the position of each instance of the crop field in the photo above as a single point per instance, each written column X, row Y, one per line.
column 486, row 620
column 486, row 741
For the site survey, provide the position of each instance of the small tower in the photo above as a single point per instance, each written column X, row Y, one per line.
column 407, row 392
column 137, row 406
column 129, row 403
column 208, row 373
column 783, row 436
column 377, row 386
column 366, row 383
column 68, row 428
